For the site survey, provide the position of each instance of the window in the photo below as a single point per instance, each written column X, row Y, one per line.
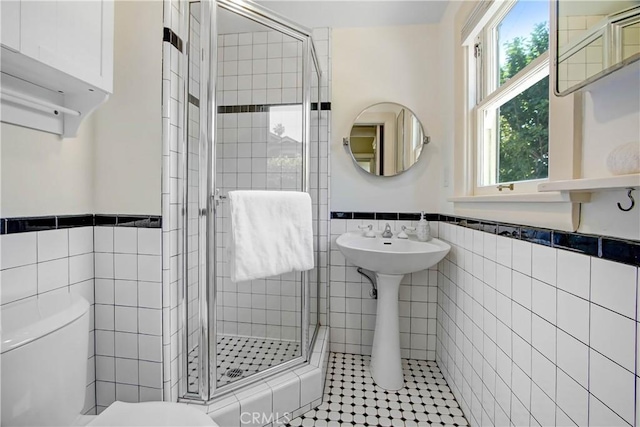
column 509, row 80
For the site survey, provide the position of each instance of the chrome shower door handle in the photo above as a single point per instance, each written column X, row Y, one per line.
column 217, row 197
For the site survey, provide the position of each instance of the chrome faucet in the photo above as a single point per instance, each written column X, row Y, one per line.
column 387, row 231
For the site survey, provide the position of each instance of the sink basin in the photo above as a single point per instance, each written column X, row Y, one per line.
column 391, row 256
column 390, row 259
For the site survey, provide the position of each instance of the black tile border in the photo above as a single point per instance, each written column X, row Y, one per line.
column 263, row 108
column 324, row 106
column 53, row 222
column 193, row 100
column 252, row 108
column 27, row 224
column 604, row 247
column 71, row 221
column 172, row 38
column 136, row 221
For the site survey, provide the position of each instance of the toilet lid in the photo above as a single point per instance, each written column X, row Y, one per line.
column 152, row 414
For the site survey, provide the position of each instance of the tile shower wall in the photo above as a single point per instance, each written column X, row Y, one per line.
column 353, row 311
column 533, row 335
column 43, row 262
column 259, row 68
column 128, row 314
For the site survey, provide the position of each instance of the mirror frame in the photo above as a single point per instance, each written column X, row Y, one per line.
column 555, row 50
column 346, row 141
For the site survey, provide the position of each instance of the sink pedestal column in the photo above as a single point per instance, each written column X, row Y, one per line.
column 386, row 365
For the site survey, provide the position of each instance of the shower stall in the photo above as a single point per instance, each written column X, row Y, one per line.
column 252, row 123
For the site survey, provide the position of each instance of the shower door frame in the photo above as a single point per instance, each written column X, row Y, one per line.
column 209, row 200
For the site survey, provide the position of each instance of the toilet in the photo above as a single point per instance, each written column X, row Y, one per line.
column 44, row 359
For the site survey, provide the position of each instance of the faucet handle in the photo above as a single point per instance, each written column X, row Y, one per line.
column 369, row 229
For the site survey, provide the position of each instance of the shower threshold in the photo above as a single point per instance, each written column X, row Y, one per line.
column 241, row 357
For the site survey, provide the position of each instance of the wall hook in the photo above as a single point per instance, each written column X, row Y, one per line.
column 633, row 202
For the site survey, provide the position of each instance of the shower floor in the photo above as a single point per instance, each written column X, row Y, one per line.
column 240, row 357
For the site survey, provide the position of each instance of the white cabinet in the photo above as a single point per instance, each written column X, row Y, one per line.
column 65, row 47
column 10, row 21
column 73, row 36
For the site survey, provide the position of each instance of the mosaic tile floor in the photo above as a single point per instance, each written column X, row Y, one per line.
column 351, row 397
column 239, row 357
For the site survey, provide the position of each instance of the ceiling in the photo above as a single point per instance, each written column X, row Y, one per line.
column 340, row 13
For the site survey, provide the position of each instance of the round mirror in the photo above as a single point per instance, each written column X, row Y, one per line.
column 386, row 139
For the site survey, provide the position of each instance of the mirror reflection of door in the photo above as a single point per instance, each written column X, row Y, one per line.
column 366, row 142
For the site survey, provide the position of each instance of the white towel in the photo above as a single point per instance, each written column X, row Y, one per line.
column 271, row 233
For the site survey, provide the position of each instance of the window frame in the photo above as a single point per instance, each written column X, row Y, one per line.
column 484, row 88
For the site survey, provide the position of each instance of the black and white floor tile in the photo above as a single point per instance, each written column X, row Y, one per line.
column 352, row 398
column 240, row 357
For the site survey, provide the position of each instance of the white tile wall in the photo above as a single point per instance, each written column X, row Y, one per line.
column 558, row 349
column 259, row 68
column 353, row 311
column 42, row 262
column 128, row 287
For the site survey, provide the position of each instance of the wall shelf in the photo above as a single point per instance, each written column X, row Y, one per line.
column 590, row 185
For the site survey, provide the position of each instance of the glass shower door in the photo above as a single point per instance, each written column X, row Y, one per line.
column 259, row 146
column 255, row 126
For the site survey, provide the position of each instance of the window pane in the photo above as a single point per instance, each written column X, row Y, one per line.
column 522, row 36
column 523, row 135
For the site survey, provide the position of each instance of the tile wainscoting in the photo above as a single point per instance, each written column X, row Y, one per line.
column 530, row 334
column 52, row 261
column 116, row 268
column 534, row 326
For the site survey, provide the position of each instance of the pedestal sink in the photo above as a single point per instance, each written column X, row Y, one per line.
column 390, row 259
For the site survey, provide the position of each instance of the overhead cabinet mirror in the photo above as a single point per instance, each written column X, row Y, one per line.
column 386, row 139
column 594, row 38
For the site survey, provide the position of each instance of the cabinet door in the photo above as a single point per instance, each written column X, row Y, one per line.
column 80, row 38
column 39, row 30
column 10, row 22
column 73, row 36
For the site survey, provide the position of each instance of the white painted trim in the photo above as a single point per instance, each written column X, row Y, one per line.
column 549, row 197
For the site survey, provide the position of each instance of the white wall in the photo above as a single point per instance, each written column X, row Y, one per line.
column 129, row 126
column 611, row 118
column 43, row 174
column 394, row 64
column 447, row 57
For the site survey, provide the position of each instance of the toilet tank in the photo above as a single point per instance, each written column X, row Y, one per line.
column 44, row 360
